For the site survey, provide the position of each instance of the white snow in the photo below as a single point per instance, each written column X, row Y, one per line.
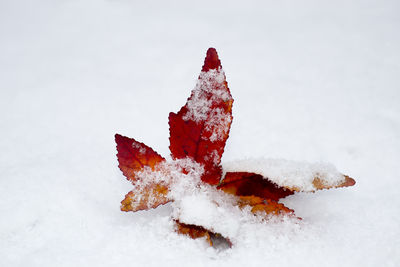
column 288, row 173
column 314, row 81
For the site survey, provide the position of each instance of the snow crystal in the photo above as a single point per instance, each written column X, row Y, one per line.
column 287, row 173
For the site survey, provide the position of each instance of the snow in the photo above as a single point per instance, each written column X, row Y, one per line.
column 289, row 173
column 314, row 81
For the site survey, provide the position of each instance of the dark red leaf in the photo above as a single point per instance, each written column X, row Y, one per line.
column 252, row 184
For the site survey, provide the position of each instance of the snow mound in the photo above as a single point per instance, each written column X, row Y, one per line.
column 198, row 203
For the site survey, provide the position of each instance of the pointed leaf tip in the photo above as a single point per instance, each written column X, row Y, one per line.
column 212, row 61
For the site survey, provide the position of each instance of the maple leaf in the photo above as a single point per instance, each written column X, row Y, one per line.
column 198, row 134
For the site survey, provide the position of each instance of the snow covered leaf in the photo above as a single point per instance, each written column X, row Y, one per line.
column 148, row 197
column 278, row 178
column 252, row 184
column 133, row 156
column 200, row 129
column 206, row 203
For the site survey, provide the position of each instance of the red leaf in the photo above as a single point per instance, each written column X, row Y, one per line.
column 252, row 184
column 200, row 129
column 133, row 156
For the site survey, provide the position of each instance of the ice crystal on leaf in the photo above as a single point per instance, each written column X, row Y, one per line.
column 209, row 201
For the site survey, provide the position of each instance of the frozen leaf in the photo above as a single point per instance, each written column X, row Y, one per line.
column 200, row 129
column 203, row 204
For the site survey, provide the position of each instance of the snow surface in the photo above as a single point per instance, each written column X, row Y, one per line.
column 312, row 81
